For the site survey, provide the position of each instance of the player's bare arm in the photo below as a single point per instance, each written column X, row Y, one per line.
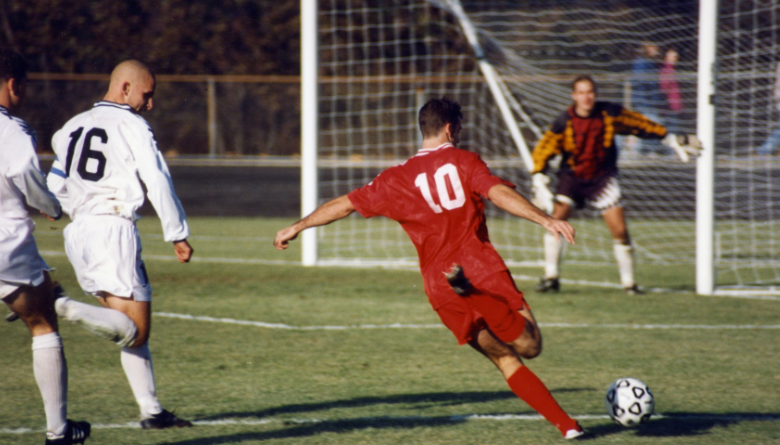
column 183, row 251
column 511, row 201
column 332, row 210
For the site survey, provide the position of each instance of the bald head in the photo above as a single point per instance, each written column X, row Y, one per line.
column 132, row 83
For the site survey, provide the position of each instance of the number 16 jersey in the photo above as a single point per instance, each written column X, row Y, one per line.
column 101, row 155
column 436, row 196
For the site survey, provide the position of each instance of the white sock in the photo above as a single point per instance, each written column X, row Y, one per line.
column 107, row 323
column 137, row 363
column 51, row 373
column 624, row 254
column 552, row 255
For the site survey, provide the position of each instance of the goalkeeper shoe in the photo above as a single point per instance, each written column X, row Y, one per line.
column 548, row 284
column 458, row 281
column 75, row 433
column 165, row 419
column 633, row 290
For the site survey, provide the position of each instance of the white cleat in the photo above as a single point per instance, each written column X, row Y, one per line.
column 573, row 434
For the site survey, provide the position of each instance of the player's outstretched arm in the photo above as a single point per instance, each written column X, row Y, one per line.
column 332, row 210
column 511, row 201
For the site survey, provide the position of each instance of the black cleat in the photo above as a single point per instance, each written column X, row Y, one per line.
column 634, row 290
column 548, row 284
column 458, row 281
column 165, row 419
column 13, row 316
column 75, row 433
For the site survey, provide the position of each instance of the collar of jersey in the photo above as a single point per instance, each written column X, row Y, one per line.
column 425, row 151
column 105, row 103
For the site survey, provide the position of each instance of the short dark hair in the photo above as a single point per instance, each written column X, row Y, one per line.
column 436, row 113
column 583, row 78
column 12, row 65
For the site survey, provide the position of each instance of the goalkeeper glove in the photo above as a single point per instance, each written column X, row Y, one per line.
column 543, row 198
column 684, row 145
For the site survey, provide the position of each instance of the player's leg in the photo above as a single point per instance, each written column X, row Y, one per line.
column 35, row 307
column 615, row 219
column 553, row 247
column 524, row 383
column 137, row 364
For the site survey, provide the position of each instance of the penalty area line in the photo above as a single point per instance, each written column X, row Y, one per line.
column 438, row 326
column 453, row 419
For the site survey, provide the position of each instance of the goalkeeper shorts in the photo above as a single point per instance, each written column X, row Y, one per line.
column 493, row 304
column 602, row 192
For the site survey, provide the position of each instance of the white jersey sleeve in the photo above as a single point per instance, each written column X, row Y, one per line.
column 154, row 173
column 55, row 180
column 22, row 179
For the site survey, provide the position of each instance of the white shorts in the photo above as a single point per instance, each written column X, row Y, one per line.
column 20, row 262
column 105, row 252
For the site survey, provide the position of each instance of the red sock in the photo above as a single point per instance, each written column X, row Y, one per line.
column 526, row 385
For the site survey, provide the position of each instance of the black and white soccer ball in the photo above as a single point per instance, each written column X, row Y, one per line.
column 629, row 402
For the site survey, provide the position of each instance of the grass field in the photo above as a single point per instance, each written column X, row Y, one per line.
column 712, row 363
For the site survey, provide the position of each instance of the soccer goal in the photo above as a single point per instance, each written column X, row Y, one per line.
column 368, row 66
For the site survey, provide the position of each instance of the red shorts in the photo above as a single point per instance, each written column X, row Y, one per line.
column 493, row 304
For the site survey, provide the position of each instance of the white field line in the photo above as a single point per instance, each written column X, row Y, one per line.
column 493, row 417
column 753, row 295
column 438, row 326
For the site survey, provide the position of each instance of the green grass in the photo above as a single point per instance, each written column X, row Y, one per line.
column 395, row 386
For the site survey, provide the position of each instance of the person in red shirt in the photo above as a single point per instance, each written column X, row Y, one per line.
column 437, row 197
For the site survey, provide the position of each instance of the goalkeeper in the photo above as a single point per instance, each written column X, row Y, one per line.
column 584, row 135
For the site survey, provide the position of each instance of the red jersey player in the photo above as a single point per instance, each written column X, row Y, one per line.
column 437, row 197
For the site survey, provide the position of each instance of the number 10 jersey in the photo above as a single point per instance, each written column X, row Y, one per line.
column 436, row 196
column 101, row 155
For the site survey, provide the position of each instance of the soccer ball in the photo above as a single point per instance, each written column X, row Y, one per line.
column 629, row 402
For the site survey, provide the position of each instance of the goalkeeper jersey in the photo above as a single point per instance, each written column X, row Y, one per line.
column 436, row 196
column 101, row 155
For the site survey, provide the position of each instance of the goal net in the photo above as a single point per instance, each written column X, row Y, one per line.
column 380, row 61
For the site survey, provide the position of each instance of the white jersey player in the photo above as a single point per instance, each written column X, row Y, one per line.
column 25, row 285
column 103, row 154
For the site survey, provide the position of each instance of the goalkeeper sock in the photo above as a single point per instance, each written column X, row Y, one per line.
column 526, row 385
column 107, row 323
column 553, row 248
column 624, row 254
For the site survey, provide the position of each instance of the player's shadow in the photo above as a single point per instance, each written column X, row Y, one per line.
column 415, row 401
column 327, row 426
column 680, row 424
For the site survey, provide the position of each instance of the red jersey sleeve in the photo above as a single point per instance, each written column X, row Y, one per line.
column 369, row 200
column 482, row 180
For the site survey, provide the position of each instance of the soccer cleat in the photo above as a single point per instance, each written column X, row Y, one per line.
column 547, row 284
column 13, row 316
column 633, row 290
column 574, row 433
column 165, row 419
column 458, row 281
column 75, row 433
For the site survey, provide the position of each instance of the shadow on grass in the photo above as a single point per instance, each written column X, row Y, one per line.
column 327, row 426
column 439, row 399
column 680, row 424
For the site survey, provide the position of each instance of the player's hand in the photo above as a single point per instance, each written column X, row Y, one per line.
column 685, row 145
column 543, row 197
column 284, row 236
column 183, row 251
column 559, row 227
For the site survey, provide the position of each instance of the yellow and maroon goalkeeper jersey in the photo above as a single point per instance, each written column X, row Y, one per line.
column 588, row 144
column 436, row 196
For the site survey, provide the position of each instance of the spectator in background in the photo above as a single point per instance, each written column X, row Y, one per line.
column 647, row 98
column 671, row 89
column 772, row 143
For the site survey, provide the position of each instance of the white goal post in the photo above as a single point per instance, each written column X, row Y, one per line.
column 367, row 66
